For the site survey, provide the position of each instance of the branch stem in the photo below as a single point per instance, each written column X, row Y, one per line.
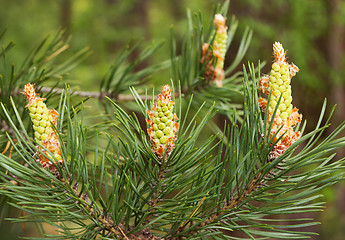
column 99, row 95
column 105, row 220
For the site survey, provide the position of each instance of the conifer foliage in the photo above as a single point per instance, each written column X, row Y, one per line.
column 157, row 172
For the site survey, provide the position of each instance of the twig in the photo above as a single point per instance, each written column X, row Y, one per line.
column 124, row 235
column 107, row 222
column 92, row 94
column 155, row 197
column 255, row 183
column 234, row 202
column 99, row 95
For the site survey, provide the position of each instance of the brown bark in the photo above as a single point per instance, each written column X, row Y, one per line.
column 140, row 11
column 335, row 52
column 66, row 15
column 335, row 57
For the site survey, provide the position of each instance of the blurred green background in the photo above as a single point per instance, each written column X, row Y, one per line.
column 313, row 32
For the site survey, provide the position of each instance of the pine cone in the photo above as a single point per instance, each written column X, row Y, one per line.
column 220, row 40
column 42, row 118
column 286, row 117
column 163, row 123
column 217, row 54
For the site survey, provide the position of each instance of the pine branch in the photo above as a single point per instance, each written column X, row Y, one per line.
column 163, row 183
column 155, row 196
column 98, row 95
column 253, row 186
column 104, row 219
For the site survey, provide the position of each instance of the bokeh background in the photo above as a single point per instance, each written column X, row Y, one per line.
column 313, row 32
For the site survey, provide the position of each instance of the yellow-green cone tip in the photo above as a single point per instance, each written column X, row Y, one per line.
column 277, row 82
column 217, row 54
column 163, row 123
column 42, row 117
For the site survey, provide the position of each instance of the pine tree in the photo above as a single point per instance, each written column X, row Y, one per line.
column 166, row 170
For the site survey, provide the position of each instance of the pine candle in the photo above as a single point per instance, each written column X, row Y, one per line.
column 278, row 84
column 217, row 52
column 163, row 123
column 42, row 118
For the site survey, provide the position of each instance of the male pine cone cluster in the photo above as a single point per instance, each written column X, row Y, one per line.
column 163, row 123
column 278, row 85
column 42, row 118
column 216, row 54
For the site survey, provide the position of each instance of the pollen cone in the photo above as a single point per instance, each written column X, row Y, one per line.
column 42, row 119
column 277, row 83
column 163, row 122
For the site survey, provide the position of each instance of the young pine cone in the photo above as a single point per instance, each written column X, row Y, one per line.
column 286, row 117
column 42, row 119
column 163, row 123
column 216, row 53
